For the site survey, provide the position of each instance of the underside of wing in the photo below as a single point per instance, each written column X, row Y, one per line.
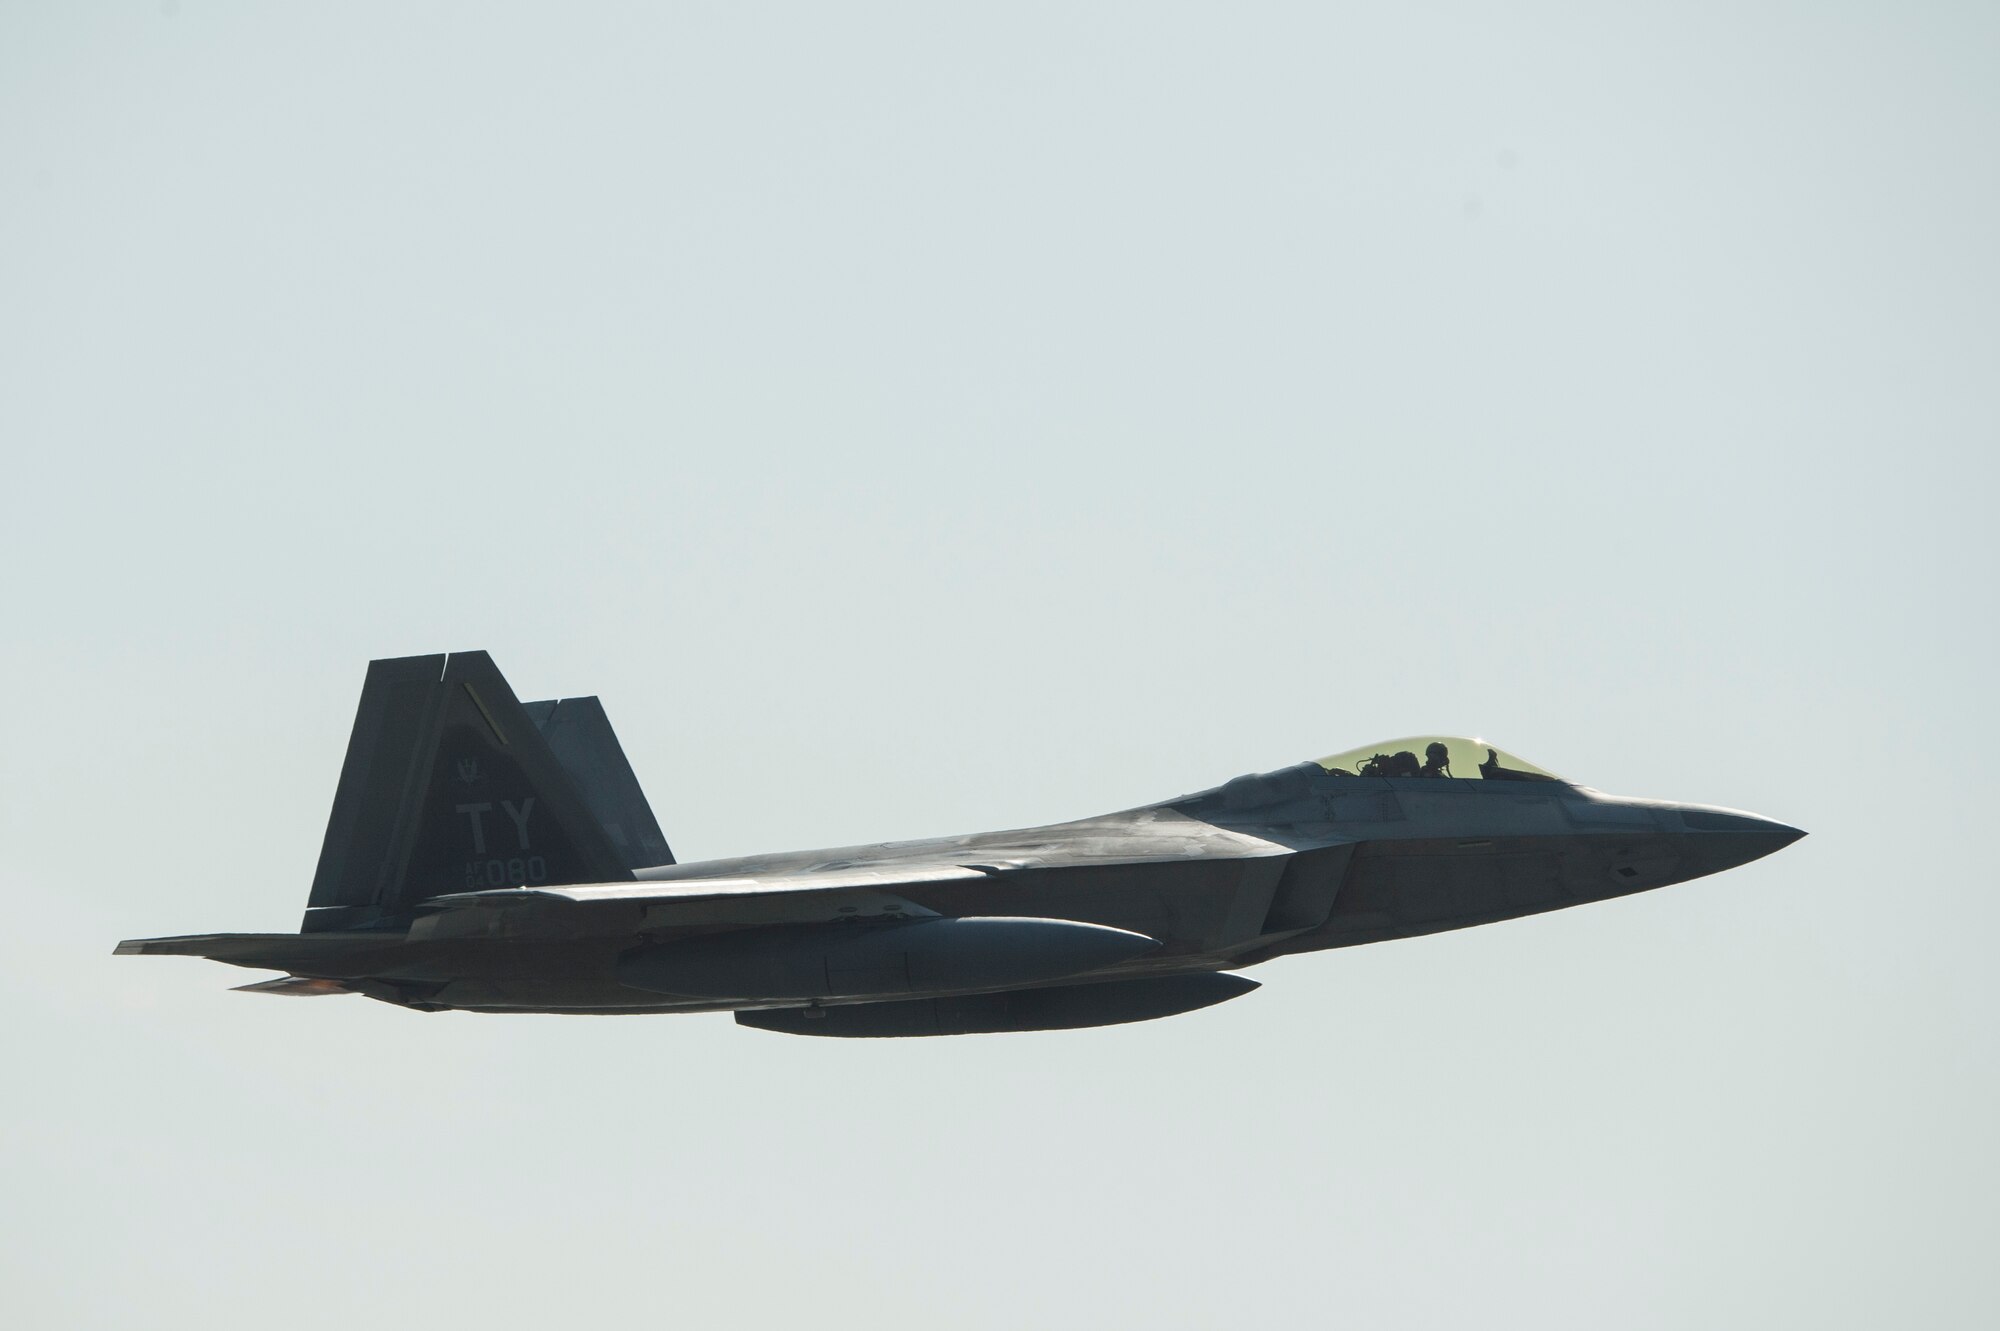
column 1047, row 1008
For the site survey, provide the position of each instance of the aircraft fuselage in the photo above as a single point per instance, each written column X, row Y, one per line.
column 484, row 854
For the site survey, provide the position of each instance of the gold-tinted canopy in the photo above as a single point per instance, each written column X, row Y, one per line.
column 1435, row 756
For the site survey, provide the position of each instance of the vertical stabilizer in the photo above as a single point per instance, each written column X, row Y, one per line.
column 449, row 786
column 580, row 735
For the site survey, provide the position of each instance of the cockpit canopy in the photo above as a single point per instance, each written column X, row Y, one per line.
column 1435, row 755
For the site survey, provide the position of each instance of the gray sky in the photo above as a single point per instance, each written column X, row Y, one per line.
column 916, row 419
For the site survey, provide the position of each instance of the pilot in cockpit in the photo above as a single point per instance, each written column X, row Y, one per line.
column 1437, row 760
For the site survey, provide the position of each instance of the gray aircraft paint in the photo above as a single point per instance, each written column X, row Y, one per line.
column 486, row 855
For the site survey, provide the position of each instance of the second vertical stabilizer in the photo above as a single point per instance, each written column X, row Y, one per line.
column 580, row 735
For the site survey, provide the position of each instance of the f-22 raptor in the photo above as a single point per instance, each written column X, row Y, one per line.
column 490, row 855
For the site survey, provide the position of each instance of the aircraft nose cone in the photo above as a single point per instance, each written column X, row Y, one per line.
column 1724, row 838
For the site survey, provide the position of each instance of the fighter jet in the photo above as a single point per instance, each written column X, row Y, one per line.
column 489, row 855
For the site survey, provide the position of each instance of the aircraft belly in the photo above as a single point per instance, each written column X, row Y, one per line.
column 1066, row 1007
column 520, row 993
column 561, row 959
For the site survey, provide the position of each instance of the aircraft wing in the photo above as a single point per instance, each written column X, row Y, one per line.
column 734, row 885
column 784, row 897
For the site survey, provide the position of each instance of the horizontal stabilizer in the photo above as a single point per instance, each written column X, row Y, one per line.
column 336, row 952
column 294, row 986
column 216, row 947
